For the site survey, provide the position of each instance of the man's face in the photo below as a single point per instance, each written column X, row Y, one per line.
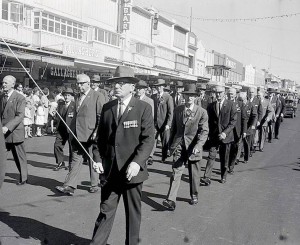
column 122, row 90
column 83, row 85
column 140, row 91
column 160, row 89
column 68, row 97
column 8, row 84
column 94, row 85
column 20, row 87
column 189, row 99
column 220, row 95
column 179, row 90
column 231, row 95
column 251, row 93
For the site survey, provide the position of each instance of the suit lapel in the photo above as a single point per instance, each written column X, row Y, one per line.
column 192, row 118
column 114, row 109
column 86, row 100
column 11, row 98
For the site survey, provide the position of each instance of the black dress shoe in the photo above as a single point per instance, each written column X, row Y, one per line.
column 223, row 181
column 194, row 200
column 206, row 181
column 66, row 190
column 170, row 205
column 150, row 161
column 60, row 166
column 277, row 137
column 22, row 182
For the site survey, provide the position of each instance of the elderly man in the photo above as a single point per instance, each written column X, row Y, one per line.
column 268, row 111
column 281, row 114
column 203, row 100
column 188, row 134
column 163, row 115
column 126, row 139
column 84, row 126
column 177, row 96
column 95, row 84
column 12, row 114
column 221, row 122
column 276, row 104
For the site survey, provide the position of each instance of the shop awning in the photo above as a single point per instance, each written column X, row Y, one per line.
column 57, row 61
column 21, row 55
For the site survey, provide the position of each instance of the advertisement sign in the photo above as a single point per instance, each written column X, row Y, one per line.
column 83, row 52
column 126, row 11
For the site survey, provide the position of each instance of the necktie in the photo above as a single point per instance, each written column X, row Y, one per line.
column 218, row 108
column 120, row 110
column 5, row 99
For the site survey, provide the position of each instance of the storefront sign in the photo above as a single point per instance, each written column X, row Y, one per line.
column 12, row 69
column 80, row 51
column 126, row 10
column 63, row 72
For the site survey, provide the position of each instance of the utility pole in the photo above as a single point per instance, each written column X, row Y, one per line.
column 191, row 18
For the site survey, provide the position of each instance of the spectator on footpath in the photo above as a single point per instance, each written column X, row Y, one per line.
column 28, row 119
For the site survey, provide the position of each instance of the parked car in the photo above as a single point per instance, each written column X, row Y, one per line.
column 289, row 108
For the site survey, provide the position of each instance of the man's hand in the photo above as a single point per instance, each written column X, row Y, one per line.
column 97, row 166
column 281, row 114
column 132, row 170
column 244, row 135
column 222, row 136
column 195, row 151
column 4, row 130
column 167, row 127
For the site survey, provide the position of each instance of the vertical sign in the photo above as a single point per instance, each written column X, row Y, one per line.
column 126, row 10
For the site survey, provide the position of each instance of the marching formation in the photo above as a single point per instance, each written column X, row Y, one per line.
column 117, row 130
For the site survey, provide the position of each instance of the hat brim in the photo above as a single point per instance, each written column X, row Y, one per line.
column 140, row 86
column 125, row 79
column 189, row 92
column 156, row 85
column 72, row 93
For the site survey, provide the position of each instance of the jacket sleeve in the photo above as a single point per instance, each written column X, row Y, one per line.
column 282, row 106
column 232, row 120
column 19, row 114
column 270, row 111
column 144, row 148
column 202, row 130
column 170, row 111
column 259, row 111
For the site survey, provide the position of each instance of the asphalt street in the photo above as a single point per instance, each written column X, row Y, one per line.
column 259, row 204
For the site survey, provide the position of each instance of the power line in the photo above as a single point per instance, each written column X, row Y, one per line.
column 233, row 19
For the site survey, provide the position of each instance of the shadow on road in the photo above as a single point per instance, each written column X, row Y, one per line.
column 41, row 164
column 28, row 228
column 45, row 154
column 285, row 165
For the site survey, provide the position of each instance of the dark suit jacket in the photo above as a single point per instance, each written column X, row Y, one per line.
column 150, row 102
column 67, row 115
column 12, row 116
column 163, row 110
column 267, row 112
column 87, row 118
column 251, row 116
column 241, row 120
column 203, row 102
column 225, row 122
column 177, row 101
column 129, row 140
column 257, row 103
column 191, row 131
column 275, row 102
column 282, row 103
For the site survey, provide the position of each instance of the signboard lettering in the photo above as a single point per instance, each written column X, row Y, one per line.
column 126, row 14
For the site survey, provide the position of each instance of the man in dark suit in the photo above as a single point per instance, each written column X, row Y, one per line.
column 239, row 131
column 2, row 156
column 276, row 104
column 66, row 110
column 188, row 134
column 280, row 117
column 126, row 138
column 12, row 115
column 141, row 87
column 221, row 121
column 203, row 100
column 251, row 119
column 163, row 115
column 95, row 84
column 84, row 125
column 177, row 96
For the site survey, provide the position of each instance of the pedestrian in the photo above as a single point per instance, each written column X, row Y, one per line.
column 141, row 87
column 126, row 138
column 39, row 118
column 66, row 110
column 163, row 115
column 12, row 116
column 84, row 126
column 203, row 100
column 275, row 102
column 221, row 122
column 28, row 119
column 178, row 96
column 188, row 134
column 45, row 104
column 95, row 84
column 280, row 117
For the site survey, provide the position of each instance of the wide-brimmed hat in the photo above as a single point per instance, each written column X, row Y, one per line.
column 95, row 78
column 159, row 82
column 179, row 84
column 125, row 73
column 68, row 91
column 190, row 88
column 141, row 84
column 201, row 87
column 219, row 88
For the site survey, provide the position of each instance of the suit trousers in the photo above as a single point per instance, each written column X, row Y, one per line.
column 277, row 126
column 224, row 151
column 165, row 137
column 234, row 154
column 76, row 164
column 194, row 169
column 110, row 196
column 246, row 143
column 271, row 125
column 262, row 136
column 19, row 155
column 59, row 144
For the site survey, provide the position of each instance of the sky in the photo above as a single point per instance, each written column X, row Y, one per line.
column 272, row 44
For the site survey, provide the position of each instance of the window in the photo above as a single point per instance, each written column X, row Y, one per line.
column 107, row 37
column 5, row 10
column 59, row 26
column 191, row 61
column 14, row 12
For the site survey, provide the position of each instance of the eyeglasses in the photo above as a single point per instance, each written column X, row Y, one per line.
column 81, row 83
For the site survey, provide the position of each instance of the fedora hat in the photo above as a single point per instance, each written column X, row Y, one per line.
column 190, row 88
column 179, row 84
column 201, row 87
column 159, row 82
column 124, row 73
column 219, row 88
column 95, row 78
column 68, row 91
column 141, row 84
